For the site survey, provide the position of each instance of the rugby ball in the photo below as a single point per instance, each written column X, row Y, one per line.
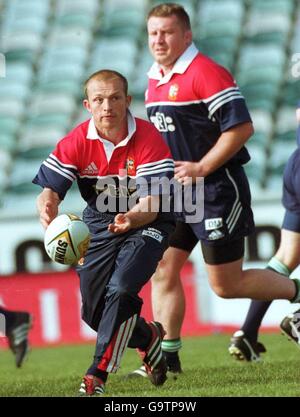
column 67, row 239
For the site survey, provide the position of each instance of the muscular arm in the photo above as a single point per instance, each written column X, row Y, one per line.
column 47, row 206
column 144, row 212
column 228, row 144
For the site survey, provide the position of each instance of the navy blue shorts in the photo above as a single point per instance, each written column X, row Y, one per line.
column 291, row 193
column 126, row 261
column 228, row 218
column 227, row 208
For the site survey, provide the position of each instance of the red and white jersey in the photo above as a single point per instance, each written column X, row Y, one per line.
column 193, row 104
column 84, row 156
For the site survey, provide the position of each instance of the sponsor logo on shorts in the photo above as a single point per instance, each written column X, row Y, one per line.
column 215, row 235
column 213, row 224
column 154, row 233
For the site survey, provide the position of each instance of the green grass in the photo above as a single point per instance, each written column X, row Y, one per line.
column 208, row 372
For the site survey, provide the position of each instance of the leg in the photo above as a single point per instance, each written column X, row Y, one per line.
column 285, row 261
column 16, row 326
column 230, row 281
column 289, row 253
column 168, row 300
column 119, row 323
column 168, row 303
column 287, row 256
column 263, row 284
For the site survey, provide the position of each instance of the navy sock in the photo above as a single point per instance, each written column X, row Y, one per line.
column 258, row 309
column 141, row 335
column 256, row 313
column 171, row 357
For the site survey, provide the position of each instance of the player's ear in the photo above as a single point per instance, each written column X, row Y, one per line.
column 86, row 105
column 128, row 101
column 188, row 37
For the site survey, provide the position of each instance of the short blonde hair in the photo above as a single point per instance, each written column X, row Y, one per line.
column 106, row 74
column 169, row 9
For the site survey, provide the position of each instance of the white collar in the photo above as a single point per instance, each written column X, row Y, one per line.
column 93, row 133
column 180, row 65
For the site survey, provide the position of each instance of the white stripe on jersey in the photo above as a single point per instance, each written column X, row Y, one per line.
column 160, row 166
column 157, row 171
column 172, row 103
column 59, row 171
column 66, row 171
column 64, row 165
column 233, row 97
column 218, row 100
column 152, row 164
column 164, row 165
column 220, row 93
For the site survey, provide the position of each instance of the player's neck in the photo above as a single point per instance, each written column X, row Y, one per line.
column 165, row 69
column 114, row 135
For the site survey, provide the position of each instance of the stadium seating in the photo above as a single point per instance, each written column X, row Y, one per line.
column 51, row 46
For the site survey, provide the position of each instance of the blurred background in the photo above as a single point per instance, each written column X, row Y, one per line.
column 49, row 47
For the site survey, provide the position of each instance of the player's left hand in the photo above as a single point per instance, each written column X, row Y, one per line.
column 186, row 172
column 121, row 224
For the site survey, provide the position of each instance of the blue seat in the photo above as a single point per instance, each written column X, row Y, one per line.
column 12, row 107
column 69, row 38
column 70, row 6
column 8, row 141
column 13, row 89
column 9, row 125
column 286, row 120
column 35, row 137
column 271, row 6
column 20, row 181
column 217, row 10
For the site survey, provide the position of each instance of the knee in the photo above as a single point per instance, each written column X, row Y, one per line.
column 121, row 291
column 165, row 275
column 163, row 269
column 225, row 291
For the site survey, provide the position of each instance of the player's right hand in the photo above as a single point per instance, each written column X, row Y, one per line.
column 121, row 224
column 48, row 212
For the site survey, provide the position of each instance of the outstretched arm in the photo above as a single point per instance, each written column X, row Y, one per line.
column 47, row 206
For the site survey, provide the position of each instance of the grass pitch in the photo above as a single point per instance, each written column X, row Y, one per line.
column 209, row 371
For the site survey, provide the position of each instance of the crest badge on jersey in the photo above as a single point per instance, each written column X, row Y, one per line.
column 173, row 92
column 130, row 166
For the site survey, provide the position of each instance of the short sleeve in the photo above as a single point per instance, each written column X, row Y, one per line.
column 60, row 169
column 222, row 97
